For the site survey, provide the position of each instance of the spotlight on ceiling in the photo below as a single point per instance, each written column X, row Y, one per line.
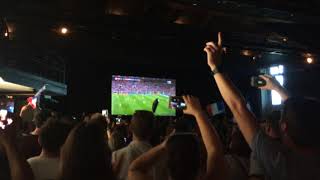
column 247, row 53
column 309, row 60
column 64, row 30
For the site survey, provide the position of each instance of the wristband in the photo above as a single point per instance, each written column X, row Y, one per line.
column 215, row 71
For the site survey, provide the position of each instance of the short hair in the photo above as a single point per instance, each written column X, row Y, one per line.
column 184, row 156
column 117, row 140
column 53, row 135
column 303, row 118
column 273, row 119
column 142, row 124
column 41, row 116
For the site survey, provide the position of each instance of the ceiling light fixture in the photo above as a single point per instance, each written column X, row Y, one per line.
column 309, row 60
column 64, row 30
column 247, row 53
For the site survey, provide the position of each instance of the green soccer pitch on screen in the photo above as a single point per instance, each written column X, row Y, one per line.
column 130, row 93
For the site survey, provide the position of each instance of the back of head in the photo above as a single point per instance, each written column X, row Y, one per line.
column 85, row 154
column 238, row 144
column 53, row 135
column 117, row 140
column 41, row 116
column 142, row 124
column 183, row 157
column 303, row 121
column 273, row 124
column 99, row 120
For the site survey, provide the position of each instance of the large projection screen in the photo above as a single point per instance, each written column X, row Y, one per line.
column 131, row 93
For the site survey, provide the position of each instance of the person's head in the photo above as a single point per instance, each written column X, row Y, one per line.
column 99, row 120
column 238, row 144
column 41, row 116
column 53, row 135
column 272, row 124
column 183, row 157
column 117, row 139
column 142, row 125
column 300, row 122
column 85, row 155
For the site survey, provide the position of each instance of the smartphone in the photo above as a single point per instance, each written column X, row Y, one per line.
column 118, row 121
column 257, row 81
column 177, row 102
column 105, row 113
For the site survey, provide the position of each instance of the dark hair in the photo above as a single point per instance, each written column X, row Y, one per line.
column 53, row 135
column 117, row 139
column 142, row 124
column 273, row 119
column 41, row 116
column 183, row 125
column 85, row 155
column 183, row 157
column 238, row 144
column 303, row 119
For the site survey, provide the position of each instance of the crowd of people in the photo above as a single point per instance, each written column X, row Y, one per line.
column 144, row 86
column 283, row 147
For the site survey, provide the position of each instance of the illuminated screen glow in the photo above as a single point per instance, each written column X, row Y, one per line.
column 131, row 93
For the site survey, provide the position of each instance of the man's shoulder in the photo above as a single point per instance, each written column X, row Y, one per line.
column 120, row 152
column 29, row 138
column 34, row 160
column 262, row 141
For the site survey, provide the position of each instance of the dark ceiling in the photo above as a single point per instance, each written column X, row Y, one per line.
column 120, row 27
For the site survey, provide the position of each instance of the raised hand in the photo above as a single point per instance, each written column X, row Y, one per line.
column 214, row 52
column 272, row 83
column 193, row 105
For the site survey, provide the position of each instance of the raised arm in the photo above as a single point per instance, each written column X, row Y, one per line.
column 19, row 168
column 233, row 98
column 216, row 167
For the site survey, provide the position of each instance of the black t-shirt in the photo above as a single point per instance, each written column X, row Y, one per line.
column 4, row 167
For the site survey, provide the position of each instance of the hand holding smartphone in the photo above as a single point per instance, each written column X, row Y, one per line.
column 258, row 81
column 105, row 113
column 177, row 102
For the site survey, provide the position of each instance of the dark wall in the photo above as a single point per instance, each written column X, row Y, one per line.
column 94, row 59
column 304, row 81
column 89, row 79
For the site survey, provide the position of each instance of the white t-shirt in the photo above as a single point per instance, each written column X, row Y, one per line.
column 125, row 156
column 44, row 168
